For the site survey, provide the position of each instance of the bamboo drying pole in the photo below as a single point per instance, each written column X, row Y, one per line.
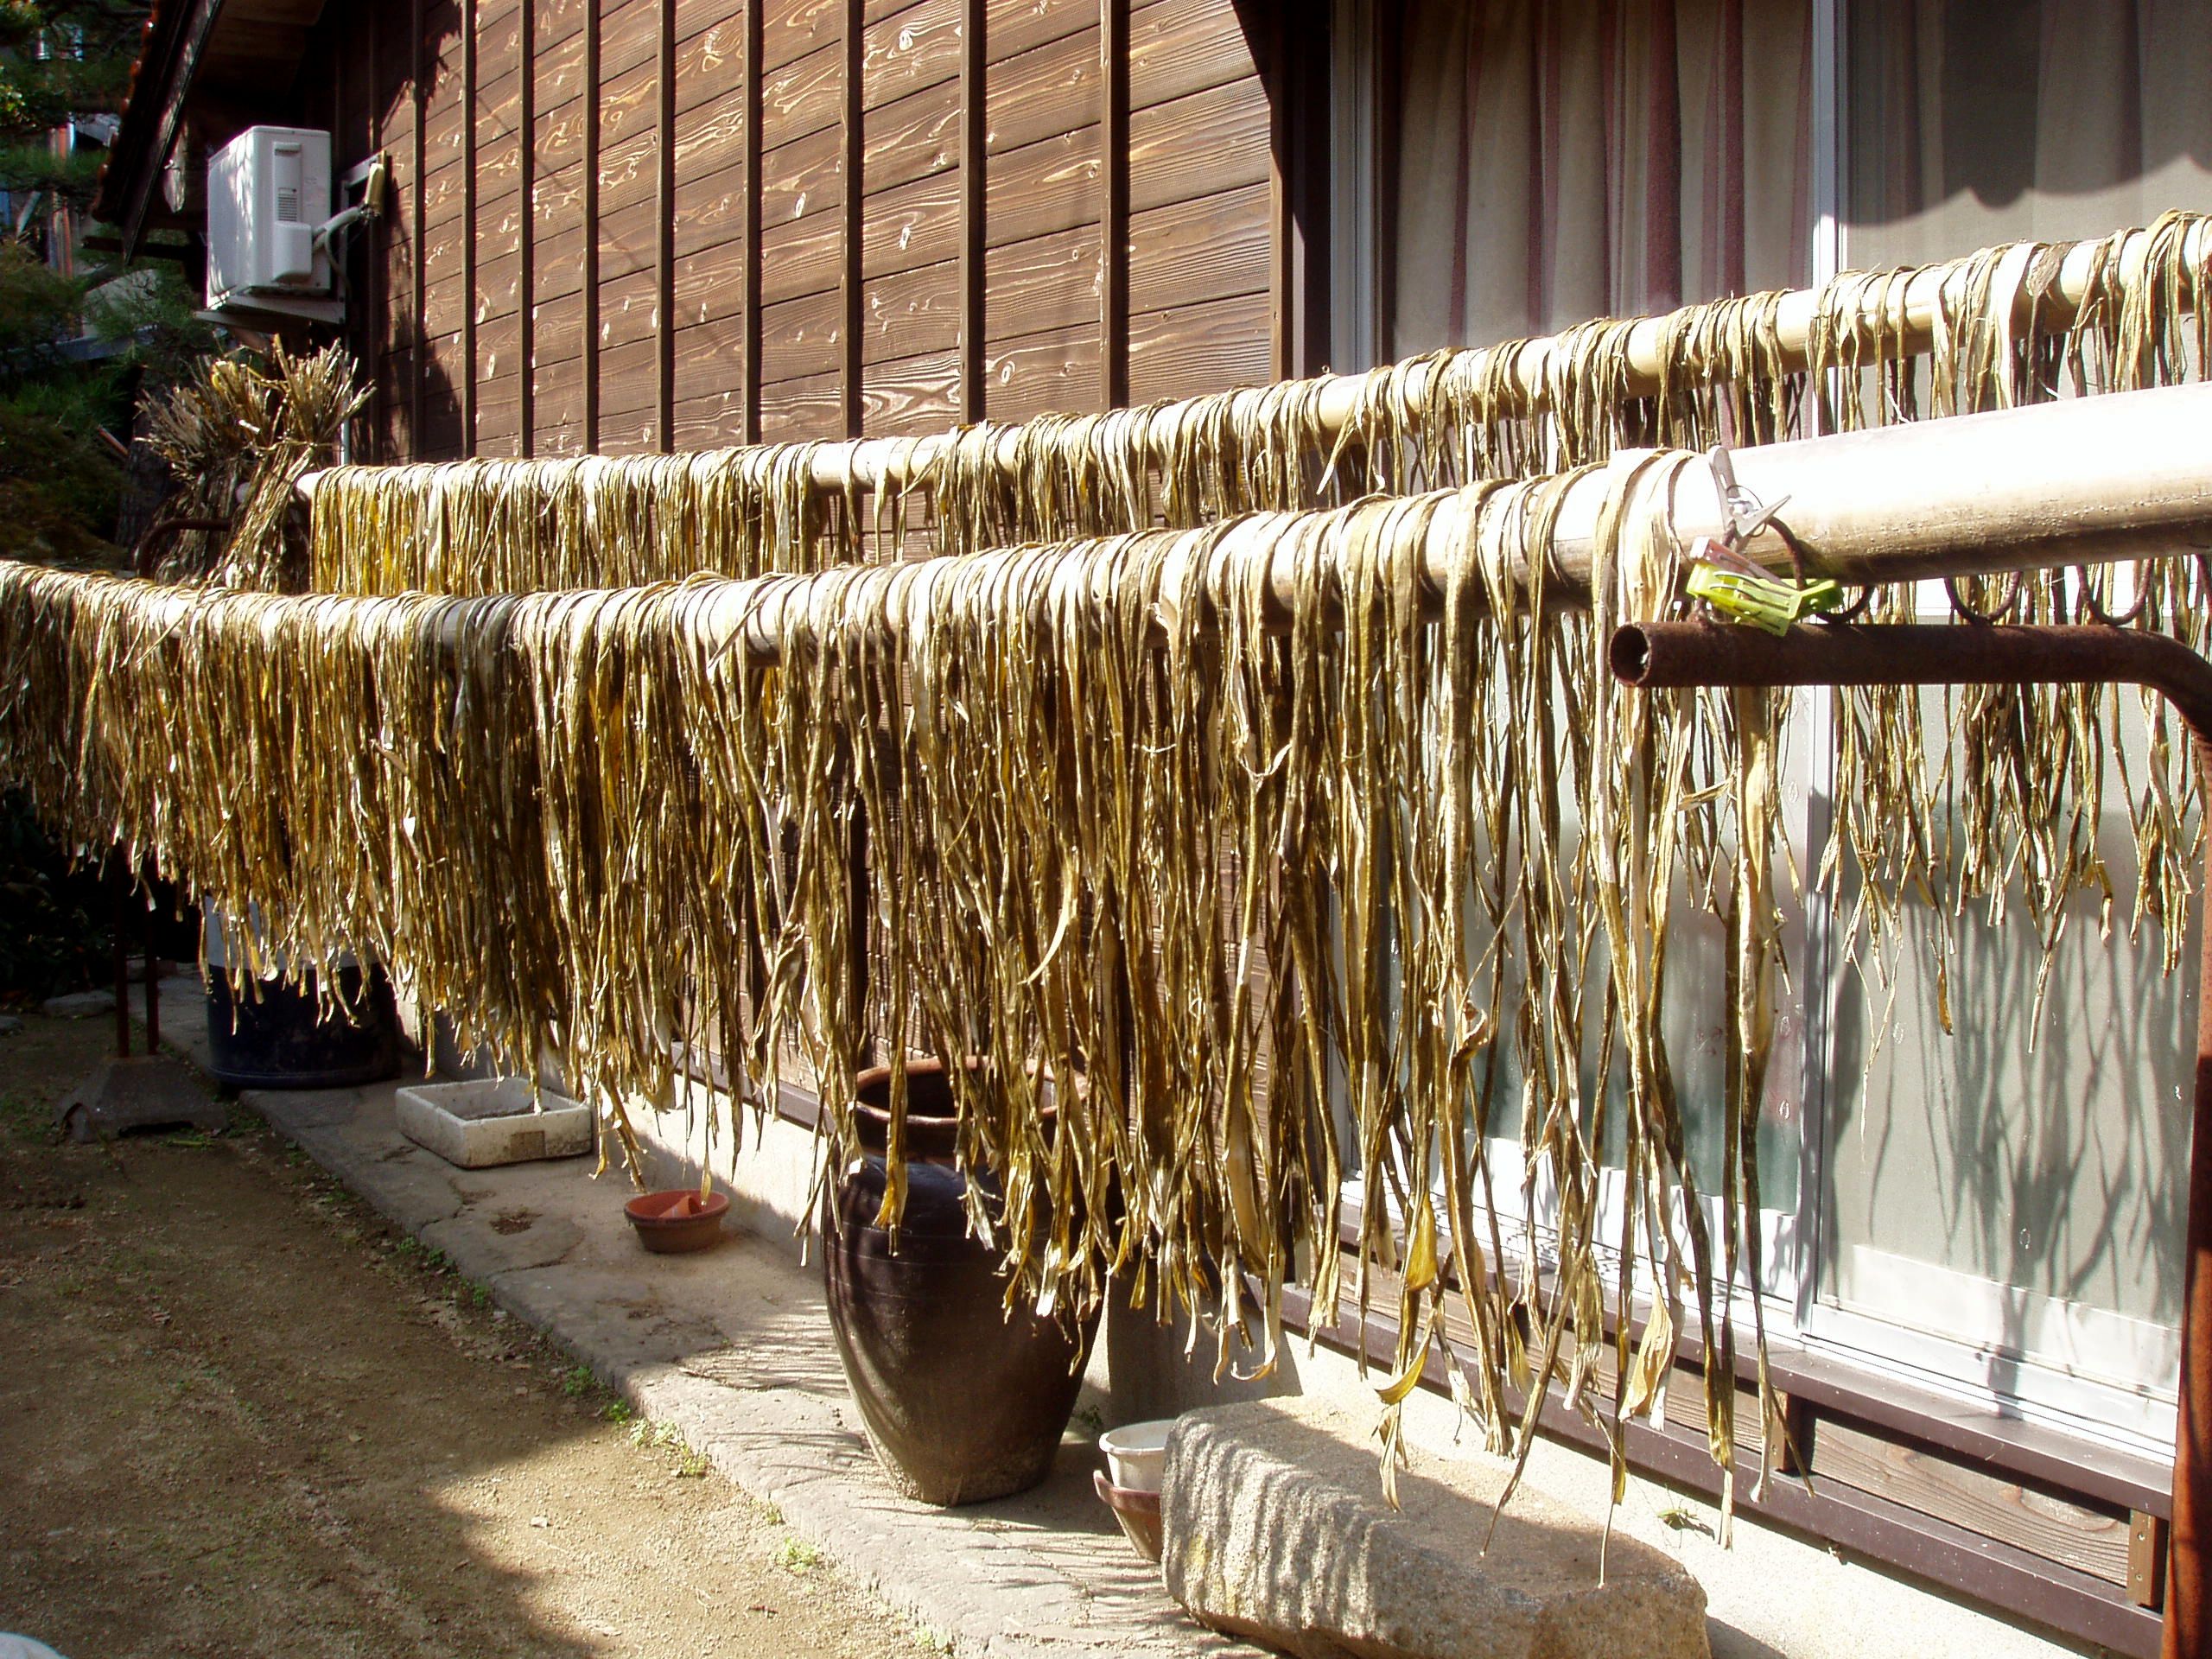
column 2085, row 481
column 1906, row 312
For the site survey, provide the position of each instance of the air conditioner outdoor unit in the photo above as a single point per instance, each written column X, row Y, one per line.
column 268, row 194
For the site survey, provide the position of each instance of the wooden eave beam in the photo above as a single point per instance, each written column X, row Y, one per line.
column 178, row 57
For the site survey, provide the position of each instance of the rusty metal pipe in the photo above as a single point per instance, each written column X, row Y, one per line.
column 1684, row 654
column 118, row 882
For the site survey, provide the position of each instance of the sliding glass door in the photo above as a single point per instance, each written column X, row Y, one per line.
column 1995, row 1206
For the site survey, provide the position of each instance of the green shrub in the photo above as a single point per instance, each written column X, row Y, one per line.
column 54, row 921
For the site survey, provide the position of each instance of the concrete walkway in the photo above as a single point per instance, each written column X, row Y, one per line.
column 733, row 1348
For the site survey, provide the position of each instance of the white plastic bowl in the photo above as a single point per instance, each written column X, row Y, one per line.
column 1136, row 1452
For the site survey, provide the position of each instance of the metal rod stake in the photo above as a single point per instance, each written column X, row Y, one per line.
column 1686, row 654
column 119, row 891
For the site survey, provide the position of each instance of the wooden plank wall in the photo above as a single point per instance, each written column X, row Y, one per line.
column 626, row 226
column 560, row 118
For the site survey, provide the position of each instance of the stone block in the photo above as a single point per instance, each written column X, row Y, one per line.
column 144, row 1092
column 1274, row 1528
column 10, row 1025
column 78, row 1005
column 479, row 1124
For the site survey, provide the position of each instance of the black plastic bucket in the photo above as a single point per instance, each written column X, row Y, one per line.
column 276, row 1041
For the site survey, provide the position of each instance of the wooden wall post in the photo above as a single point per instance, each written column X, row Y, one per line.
column 589, row 366
column 665, row 241
column 526, row 210
column 973, row 127
column 751, row 79
column 418, row 58
column 852, row 115
column 378, row 235
column 469, row 227
column 1114, row 221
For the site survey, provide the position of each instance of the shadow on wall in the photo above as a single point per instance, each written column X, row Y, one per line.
column 403, row 422
column 2038, row 1156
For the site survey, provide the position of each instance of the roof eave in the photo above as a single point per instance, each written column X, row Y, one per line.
column 176, row 35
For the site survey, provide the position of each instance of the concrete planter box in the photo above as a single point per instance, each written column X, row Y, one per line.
column 490, row 1122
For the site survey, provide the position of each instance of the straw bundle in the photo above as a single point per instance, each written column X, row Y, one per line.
column 1119, row 772
column 239, row 439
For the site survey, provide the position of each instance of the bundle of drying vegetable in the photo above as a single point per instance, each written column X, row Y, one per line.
column 340, row 769
column 2000, row 796
column 495, row 526
column 239, row 439
column 1098, row 823
column 2008, row 325
column 1147, row 819
column 206, row 428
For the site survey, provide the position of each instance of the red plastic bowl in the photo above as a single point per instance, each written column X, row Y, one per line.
column 670, row 1223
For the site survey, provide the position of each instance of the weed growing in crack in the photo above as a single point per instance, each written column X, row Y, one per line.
column 649, row 1436
column 797, row 1556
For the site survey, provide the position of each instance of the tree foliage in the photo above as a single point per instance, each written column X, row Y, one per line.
column 58, row 59
column 79, row 337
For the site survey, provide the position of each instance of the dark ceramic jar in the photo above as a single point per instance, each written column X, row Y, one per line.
column 961, row 1401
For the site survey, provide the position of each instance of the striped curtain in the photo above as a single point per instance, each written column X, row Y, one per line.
column 1574, row 159
column 1976, row 122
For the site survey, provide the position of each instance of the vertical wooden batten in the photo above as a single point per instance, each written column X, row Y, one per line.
column 852, row 117
column 526, row 206
column 973, row 130
column 1389, row 59
column 419, row 353
column 665, row 240
column 1114, row 221
column 590, row 249
column 749, row 369
column 469, row 227
column 353, row 326
column 1281, row 234
column 375, row 235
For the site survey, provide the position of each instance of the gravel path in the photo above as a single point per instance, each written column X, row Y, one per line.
column 240, row 1414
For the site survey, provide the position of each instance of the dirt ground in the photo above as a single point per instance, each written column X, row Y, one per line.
column 239, row 1414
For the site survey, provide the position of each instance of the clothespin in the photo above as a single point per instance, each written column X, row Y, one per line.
column 1725, row 578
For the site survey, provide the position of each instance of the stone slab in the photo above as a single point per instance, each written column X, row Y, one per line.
column 144, row 1092
column 1274, row 1527
column 10, row 1025
column 483, row 1123
column 78, row 1005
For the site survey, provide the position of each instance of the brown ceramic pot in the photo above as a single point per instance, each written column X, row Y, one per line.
column 961, row 1403
column 674, row 1223
column 1138, row 1512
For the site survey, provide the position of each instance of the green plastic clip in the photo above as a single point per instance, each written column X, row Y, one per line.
column 1761, row 601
